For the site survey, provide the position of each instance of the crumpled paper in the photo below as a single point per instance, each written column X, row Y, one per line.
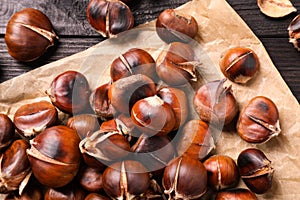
column 220, row 28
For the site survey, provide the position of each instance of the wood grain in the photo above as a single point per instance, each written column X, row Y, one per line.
column 69, row 22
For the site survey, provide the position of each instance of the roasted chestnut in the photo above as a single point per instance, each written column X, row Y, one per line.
column 70, row 191
column 32, row 118
column 236, row 194
column 90, row 178
column 294, row 32
column 255, row 170
column 70, row 92
column 215, row 103
column 54, row 156
column 109, row 17
column 173, row 26
column 100, row 103
column 176, row 65
column 125, row 180
column 95, row 196
column 84, row 124
column 29, row 34
column 222, row 172
column 14, row 167
column 195, row 140
column 177, row 99
column 185, row 178
column 153, row 152
column 133, row 61
column 105, row 147
column 239, row 64
column 153, row 116
column 259, row 120
column 7, row 131
column 124, row 92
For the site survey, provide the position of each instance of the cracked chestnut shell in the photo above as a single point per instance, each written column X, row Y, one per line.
column 31, row 119
column 29, row 34
column 125, row 180
column 105, row 147
column 177, row 99
column 222, row 172
column 14, row 167
column 259, row 120
column 100, row 103
column 153, row 116
column 54, row 156
column 294, row 32
column 176, row 65
column 133, row 61
column 215, row 103
column 173, row 26
column 195, row 139
column 236, row 194
column 7, row 131
column 185, row 178
column 69, row 92
column 255, row 170
column 239, row 64
column 131, row 89
column 109, row 17
column 153, row 152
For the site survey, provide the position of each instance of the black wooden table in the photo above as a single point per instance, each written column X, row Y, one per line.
column 70, row 23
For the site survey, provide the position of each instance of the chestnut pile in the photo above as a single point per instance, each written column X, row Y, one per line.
column 135, row 137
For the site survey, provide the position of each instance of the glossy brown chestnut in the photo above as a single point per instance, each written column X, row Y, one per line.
column 70, row 191
column 54, row 156
column 215, row 103
column 124, row 92
column 105, row 147
column 95, row 196
column 259, row 120
column 133, row 61
column 239, row 64
column 153, row 152
column 177, row 99
column 125, row 180
column 222, row 172
column 173, row 26
column 176, row 65
column 123, row 124
column 153, row 116
column 255, row 170
column 31, row 119
column 236, row 194
column 14, row 167
column 294, row 32
column 100, row 103
column 69, row 92
column 109, row 17
column 7, row 131
column 84, row 124
column 185, row 178
column 195, row 140
column 29, row 34
column 90, row 178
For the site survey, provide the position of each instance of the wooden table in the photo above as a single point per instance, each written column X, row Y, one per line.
column 70, row 23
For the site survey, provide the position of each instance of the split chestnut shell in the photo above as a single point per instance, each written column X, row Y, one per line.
column 54, row 156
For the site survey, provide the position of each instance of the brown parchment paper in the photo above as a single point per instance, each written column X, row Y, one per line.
column 220, row 28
